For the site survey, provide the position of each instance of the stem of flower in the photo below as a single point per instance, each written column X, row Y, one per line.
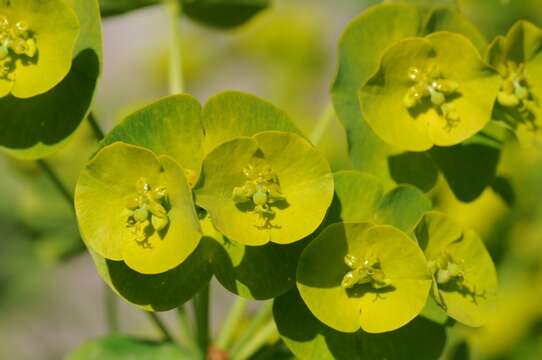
column 60, row 186
column 111, row 314
column 160, row 326
column 174, row 9
column 187, row 336
column 201, row 310
column 230, row 324
column 259, row 339
column 322, row 124
column 263, row 315
column 98, row 132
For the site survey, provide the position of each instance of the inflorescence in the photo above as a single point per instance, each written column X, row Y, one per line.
column 261, row 188
column 430, row 84
column 146, row 212
column 367, row 271
column 17, row 42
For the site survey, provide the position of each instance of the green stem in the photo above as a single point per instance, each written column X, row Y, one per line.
column 187, row 337
column 98, row 132
column 263, row 315
column 322, row 124
column 260, row 338
column 230, row 324
column 201, row 309
column 111, row 312
column 160, row 326
column 174, row 8
column 61, row 187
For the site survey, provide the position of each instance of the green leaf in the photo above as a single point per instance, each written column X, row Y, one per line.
column 450, row 19
column 356, row 197
column 256, row 272
column 470, row 298
column 160, row 292
column 233, row 114
column 38, row 126
column 322, row 269
column 223, row 14
column 117, row 7
column 309, row 338
column 360, row 49
column 170, row 126
column 122, row 216
column 403, row 207
column 413, row 168
column 299, row 175
column 469, row 168
column 417, row 123
column 119, row 347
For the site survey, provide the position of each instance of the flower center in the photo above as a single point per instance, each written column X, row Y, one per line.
column 146, row 212
column 17, row 42
column 366, row 271
column 261, row 188
column 431, row 85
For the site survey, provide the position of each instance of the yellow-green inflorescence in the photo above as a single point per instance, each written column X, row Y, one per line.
column 430, row 84
column 146, row 212
column 449, row 273
column 366, row 271
column 17, row 43
column 514, row 92
column 261, row 188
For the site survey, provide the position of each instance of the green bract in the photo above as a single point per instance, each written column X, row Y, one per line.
column 518, row 59
column 273, row 187
column 37, row 39
column 37, row 126
column 359, row 275
column 429, row 91
column 137, row 207
column 464, row 277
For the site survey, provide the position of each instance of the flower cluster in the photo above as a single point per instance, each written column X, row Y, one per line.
column 368, row 271
column 17, row 43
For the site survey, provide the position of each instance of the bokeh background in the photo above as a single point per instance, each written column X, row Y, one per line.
column 51, row 298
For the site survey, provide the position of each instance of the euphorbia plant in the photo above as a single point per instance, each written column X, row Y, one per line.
column 356, row 260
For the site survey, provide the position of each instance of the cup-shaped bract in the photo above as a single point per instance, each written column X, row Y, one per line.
column 134, row 206
column 391, row 291
column 37, row 39
column 518, row 59
column 429, row 91
column 464, row 276
column 272, row 187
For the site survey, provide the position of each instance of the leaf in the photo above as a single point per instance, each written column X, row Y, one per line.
column 256, row 272
column 233, row 114
column 403, row 207
column 160, row 292
column 360, row 49
column 120, row 347
column 122, row 180
column 356, row 197
column 471, row 301
column 223, row 14
column 118, row 7
column 322, row 267
column 413, row 168
column 36, row 127
column 309, row 338
column 419, row 125
column 300, row 174
column 469, row 168
column 170, row 126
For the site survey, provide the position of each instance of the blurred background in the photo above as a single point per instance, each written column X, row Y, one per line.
column 51, row 298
